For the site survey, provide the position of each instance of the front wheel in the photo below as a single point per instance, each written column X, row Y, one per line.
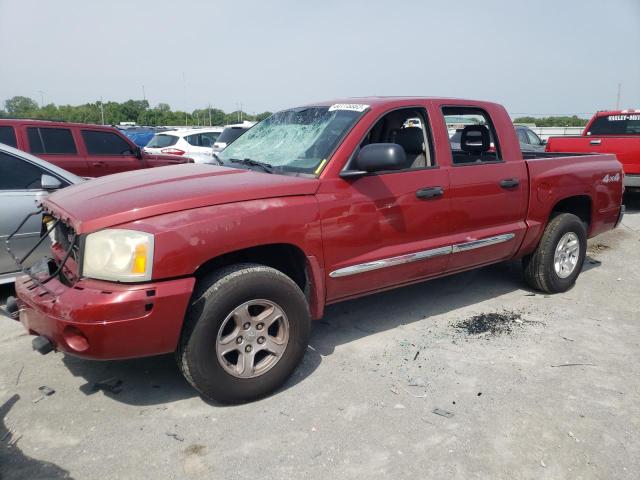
column 245, row 332
column 557, row 261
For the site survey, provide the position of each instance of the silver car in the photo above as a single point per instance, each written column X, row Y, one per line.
column 24, row 180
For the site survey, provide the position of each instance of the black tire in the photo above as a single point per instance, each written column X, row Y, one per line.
column 215, row 297
column 539, row 268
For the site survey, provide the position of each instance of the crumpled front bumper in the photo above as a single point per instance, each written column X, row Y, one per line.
column 104, row 320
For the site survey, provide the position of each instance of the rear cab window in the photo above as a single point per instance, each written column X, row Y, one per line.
column 51, row 140
column 475, row 139
column 622, row 124
column 99, row 142
column 8, row 136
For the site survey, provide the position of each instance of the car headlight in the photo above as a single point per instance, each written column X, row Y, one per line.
column 118, row 255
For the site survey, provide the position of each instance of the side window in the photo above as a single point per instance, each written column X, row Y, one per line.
column 522, row 136
column 8, row 136
column 193, row 139
column 209, row 138
column 533, row 138
column 51, row 140
column 407, row 127
column 477, row 142
column 17, row 174
column 105, row 143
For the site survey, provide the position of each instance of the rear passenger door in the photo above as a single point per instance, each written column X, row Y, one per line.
column 58, row 146
column 488, row 192
column 108, row 152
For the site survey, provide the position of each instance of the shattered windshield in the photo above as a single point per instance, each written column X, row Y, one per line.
column 296, row 140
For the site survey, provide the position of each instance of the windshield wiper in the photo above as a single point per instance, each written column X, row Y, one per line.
column 267, row 167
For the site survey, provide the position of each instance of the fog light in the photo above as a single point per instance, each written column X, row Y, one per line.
column 75, row 339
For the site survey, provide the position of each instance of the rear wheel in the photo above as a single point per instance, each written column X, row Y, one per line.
column 245, row 332
column 555, row 265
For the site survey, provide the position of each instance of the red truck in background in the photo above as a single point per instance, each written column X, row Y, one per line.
column 613, row 131
column 226, row 265
column 83, row 149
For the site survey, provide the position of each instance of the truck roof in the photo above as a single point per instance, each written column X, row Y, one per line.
column 51, row 123
column 603, row 113
column 381, row 101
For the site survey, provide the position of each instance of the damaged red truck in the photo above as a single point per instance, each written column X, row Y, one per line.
column 226, row 265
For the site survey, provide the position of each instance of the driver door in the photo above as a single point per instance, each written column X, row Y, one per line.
column 385, row 229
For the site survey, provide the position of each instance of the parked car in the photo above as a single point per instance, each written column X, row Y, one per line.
column 226, row 265
column 195, row 143
column 529, row 141
column 83, row 149
column 611, row 131
column 140, row 135
column 25, row 180
column 229, row 134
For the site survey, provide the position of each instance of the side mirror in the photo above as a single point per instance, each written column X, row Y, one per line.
column 47, row 182
column 544, row 141
column 138, row 153
column 377, row 157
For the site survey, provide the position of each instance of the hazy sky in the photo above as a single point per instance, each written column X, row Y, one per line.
column 542, row 56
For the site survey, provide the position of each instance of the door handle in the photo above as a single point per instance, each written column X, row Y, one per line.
column 595, row 142
column 429, row 192
column 510, row 183
column 99, row 164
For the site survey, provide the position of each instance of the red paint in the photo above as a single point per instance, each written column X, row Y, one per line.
column 83, row 163
column 200, row 212
column 625, row 147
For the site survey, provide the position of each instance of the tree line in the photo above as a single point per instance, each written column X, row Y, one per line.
column 572, row 121
column 112, row 113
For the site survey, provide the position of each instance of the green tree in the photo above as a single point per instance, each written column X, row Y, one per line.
column 20, row 106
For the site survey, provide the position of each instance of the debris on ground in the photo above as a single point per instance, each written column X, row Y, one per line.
column 598, row 247
column 176, row 436
column 567, row 339
column 442, row 413
column 573, row 436
column 110, row 385
column 45, row 391
column 494, row 323
column 575, row 365
column 19, row 375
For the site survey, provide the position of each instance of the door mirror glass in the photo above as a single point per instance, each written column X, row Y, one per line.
column 50, row 183
column 377, row 157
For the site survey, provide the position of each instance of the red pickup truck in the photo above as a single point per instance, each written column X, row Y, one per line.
column 226, row 265
column 83, row 149
column 616, row 131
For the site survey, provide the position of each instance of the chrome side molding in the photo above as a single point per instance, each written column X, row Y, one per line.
column 417, row 256
column 484, row 242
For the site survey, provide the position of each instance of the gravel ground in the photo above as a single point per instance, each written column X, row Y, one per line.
column 548, row 388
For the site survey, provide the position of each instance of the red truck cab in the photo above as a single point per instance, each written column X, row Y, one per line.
column 610, row 131
column 226, row 265
column 83, row 149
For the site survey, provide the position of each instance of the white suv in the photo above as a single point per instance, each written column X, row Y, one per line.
column 195, row 143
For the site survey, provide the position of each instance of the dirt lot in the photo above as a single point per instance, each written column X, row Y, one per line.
column 527, row 386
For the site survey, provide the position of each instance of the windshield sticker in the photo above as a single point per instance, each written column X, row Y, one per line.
column 353, row 107
column 619, row 118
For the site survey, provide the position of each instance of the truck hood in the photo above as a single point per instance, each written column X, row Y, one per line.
column 125, row 197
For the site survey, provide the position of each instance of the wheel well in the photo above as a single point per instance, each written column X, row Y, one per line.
column 579, row 205
column 284, row 257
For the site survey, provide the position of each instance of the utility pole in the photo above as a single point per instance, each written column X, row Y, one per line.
column 41, row 92
column 184, row 91
column 209, row 114
column 618, row 97
column 240, row 112
column 102, row 110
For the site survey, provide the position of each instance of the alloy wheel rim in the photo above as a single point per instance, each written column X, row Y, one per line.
column 566, row 256
column 252, row 338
